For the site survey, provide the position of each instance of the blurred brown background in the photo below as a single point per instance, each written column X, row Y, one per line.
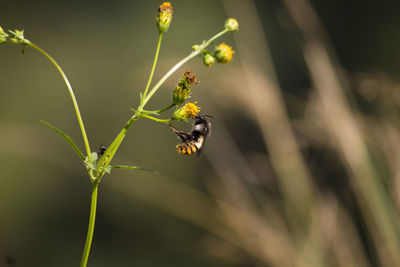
column 302, row 168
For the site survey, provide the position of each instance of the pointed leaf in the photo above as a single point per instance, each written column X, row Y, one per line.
column 133, row 168
column 108, row 169
column 67, row 138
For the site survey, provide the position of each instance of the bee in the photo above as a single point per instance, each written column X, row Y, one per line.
column 194, row 141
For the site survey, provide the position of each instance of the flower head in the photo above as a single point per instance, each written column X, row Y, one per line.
column 223, row 53
column 231, row 24
column 164, row 17
column 182, row 89
column 188, row 111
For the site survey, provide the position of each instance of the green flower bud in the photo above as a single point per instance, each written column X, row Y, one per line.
column 19, row 34
column 231, row 24
column 3, row 36
column 195, row 47
column 182, row 89
column 224, row 53
column 14, row 40
column 164, row 17
column 208, row 59
column 18, row 37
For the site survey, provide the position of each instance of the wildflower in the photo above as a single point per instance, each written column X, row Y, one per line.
column 164, row 16
column 188, row 111
column 182, row 89
column 231, row 24
column 3, row 36
column 208, row 59
column 224, row 53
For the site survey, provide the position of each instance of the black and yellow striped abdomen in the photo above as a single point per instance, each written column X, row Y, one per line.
column 186, row 148
column 191, row 147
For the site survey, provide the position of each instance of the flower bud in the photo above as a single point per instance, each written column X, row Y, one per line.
column 188, row 111
column 182, row 89
column 14, row 41
column 3, row 36
column 195, row 47
column 208, row 59
column 231, row 24
column 18, row 37
column 164, row 16
column 223, row 53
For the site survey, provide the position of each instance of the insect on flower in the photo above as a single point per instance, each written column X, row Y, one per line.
column 194, row 141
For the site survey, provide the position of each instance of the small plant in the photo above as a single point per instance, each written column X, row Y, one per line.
column 99, row 163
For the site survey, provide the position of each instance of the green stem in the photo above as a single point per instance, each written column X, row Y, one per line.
column 194, row 53
column 112, row 149
column 92, row 219
column 164, row 109
column 166, row 76
column 154, row 64
column 207, row 43
column 71, row 92
column 156, row 119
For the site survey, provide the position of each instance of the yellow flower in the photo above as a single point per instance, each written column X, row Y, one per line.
column 188, row 111
column 164, row 17
column 223, row 53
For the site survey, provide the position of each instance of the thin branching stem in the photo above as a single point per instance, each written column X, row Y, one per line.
column 178, row 65
column 71, row 93
column 164, row 109
column 154, row 64
column 156, row 119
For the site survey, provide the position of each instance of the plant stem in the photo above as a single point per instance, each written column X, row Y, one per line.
column 154, row 64
column 92, row 219
column 156, row 119
column 166, row 76
column 164, row 109
column 112, row 149
column 71, row 93
column 194, row 53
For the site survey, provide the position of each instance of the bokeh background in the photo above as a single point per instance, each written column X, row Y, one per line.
column 302, row 168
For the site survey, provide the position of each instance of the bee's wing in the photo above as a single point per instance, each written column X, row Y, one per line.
column 184, row 137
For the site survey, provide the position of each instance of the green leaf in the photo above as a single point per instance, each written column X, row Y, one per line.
column 95, row 156
column 67, row 138
column 133, row 168
column 108, row 169
column 89, row 165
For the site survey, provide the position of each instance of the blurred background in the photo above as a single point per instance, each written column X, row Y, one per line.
column 302, row 168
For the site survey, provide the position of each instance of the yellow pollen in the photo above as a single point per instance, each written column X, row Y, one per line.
column 165, row 5
column 224, row 52
column 190, row 110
